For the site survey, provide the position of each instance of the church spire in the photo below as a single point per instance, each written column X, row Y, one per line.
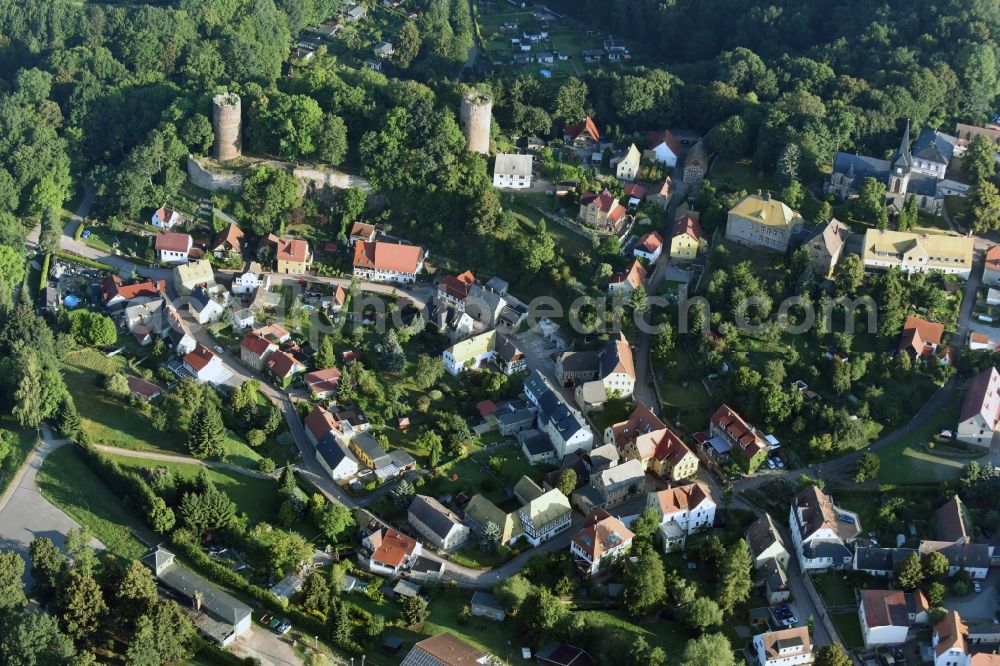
column 902, row 157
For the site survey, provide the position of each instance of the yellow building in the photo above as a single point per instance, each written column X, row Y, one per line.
column 763, row 222
column 687, row 238
column 292, row 255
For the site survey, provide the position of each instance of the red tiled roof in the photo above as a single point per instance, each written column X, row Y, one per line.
column 199, row 357
column 993, row 258
column 454, row 286
column 685, row 497
column 388, row 256
column 140, row 387
column 634, row 190
column 688, row 225
column 362, row 230
column 664, row 136
column 951, row 633
column 339, row 296
column 319, row 422
column 587, row 125
column 321, row 381
column 603, row 200
column 231, row 236
column 112, row 287
column 171, row 241
column 601, row 532
column 670, row 448
column 391, row 547
column 256, row 344
column 739, row 432
column 635, row 275
column 651, row 242
column 641, row 421
column 919, row 335
column 281, row 363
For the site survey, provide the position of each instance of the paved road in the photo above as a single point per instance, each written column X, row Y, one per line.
column 25, row 514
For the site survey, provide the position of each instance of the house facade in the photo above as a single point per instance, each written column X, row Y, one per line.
column 621, row 482
column 166, row 218
column 821, row 531
column 602, row 539
column 388, row 552
column 918, row 253
column 600, row 209
column 887, row 615
column 627, row 167
column 545, row 516
column 979, row 417
column 255, row 350
column 388, row 262
column 748, row 447
column 489, row 347
column 696, row 164
column 762, row 222
column 950, row 641
column 436, row 523
column 172, row 248
column 686, row 239
column 512, row 171
column 682, row 510
column 565, row 427
column 664, row 146
column 292, row 256
column 826, row 246
column 787, row 647
column 335, row 459
column 649, row 247
column 627, row 282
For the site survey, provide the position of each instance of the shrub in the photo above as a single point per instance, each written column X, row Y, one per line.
column 265, row 465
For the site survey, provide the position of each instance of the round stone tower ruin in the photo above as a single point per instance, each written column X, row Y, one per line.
column 227, row 124
column 475, row 117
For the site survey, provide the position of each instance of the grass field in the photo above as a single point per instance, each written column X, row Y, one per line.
column 834, row 590
column 114, row 423
column 258, row 498
column 66, row 481
column 106, row 240
column 906, row 460
column 849, row 628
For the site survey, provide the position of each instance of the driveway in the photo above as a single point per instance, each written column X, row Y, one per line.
column 25, row 514
column 265, row 646
column 980, row 607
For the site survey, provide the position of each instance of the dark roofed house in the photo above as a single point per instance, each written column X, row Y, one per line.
column 560, row 654
column 485, row 605
column 143, row 390
column 218, row 615
column 436, row 523
column 880, row 561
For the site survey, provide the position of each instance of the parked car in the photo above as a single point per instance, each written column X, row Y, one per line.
column 977, row 586
column 284, row 627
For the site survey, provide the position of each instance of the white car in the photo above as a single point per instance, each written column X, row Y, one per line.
column 770, row 464
column 977, row 586
column 219, row 350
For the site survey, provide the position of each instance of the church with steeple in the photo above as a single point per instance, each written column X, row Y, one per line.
column 918, row 173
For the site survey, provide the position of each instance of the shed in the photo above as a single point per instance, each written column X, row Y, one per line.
column 485, row 605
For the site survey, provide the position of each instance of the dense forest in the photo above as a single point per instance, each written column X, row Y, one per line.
column 118, row 95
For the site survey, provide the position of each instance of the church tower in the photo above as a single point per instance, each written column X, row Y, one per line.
column 899, row 170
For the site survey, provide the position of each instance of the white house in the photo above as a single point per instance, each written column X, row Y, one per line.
column 565, row 427
column 206, row 305
column 512, row 171
column 980, row 413
column 821, row 531
column 627, row 166
column 649, row 247
column 382, row 261
column 887, row 615
column 387, row 551
column 683, row 510
column 336, row 459
column 950, row 641
column 545, row 516
column 664, row 146
column 436, row 523
column 166, row 218
column 205, row 366
column 788, row 647
column 602, row 539
column 251, row 280
column 172, row 248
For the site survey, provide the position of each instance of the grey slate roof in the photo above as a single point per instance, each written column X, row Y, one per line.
column 486, row 600
column 505, row 348
column 934, row 146
column 518, row 416
column 434, row 515
column 581, row 361
column 537, row 444
column 762, row 533
column 214, row 601
column 366, row 443
column 861, row 166
column 331, row 452
column 831, row 549
column 881, row 559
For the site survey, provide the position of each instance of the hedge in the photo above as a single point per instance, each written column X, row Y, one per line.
column 45, row 273
column 83, row 261
column 122, row 482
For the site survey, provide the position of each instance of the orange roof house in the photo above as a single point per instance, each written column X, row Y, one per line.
column 633, row 277
column 920, row 337
column 584, row 130
column 388, row 258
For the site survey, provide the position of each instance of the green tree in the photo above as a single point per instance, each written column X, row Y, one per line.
column 979, row 161
column 841, row 378
column 34, row 639
column 570, row 100
column 512, row 592
column 984, row 206
column 646, row 524
column 135, row 593
column 793, row 194
column 909, row 573
column 935, row 593
column 490, row 539
column 334, row 520
column 325, row 356
column 331, row 140
column 207, row 511
column 824, row 213
column 351, row 203
column 407, row 45
column 280, row 551
column 81, row 606
column 541, row 612
column 832, row 655
column 935, row 566
column 48, row 565
column 870, row 204
column 787, row 169
column 268, row 194
column 427, row 371
column 393, row 357
column 413, row 611
column 69, row 418
column 403, row 494
column 711, row 649
column 567, row 482
column 315, row 592
column 206, row 432
column 735, row 580
column 644, row 584
column 908, row 216
column 11, row 265
column 702, row 613
column 868, row 467
column 12, row 598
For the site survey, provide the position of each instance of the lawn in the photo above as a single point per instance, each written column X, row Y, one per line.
column 907, row 461
column 739, row 175
column 849, row 628
column 834, row 590
column 25, row 442
column 663, row 633
column 127, row 243
column 66, row 481
column 258, row 498
column 113, row 423
column 684, row 401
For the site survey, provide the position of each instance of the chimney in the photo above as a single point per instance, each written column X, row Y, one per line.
column 767, row 196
